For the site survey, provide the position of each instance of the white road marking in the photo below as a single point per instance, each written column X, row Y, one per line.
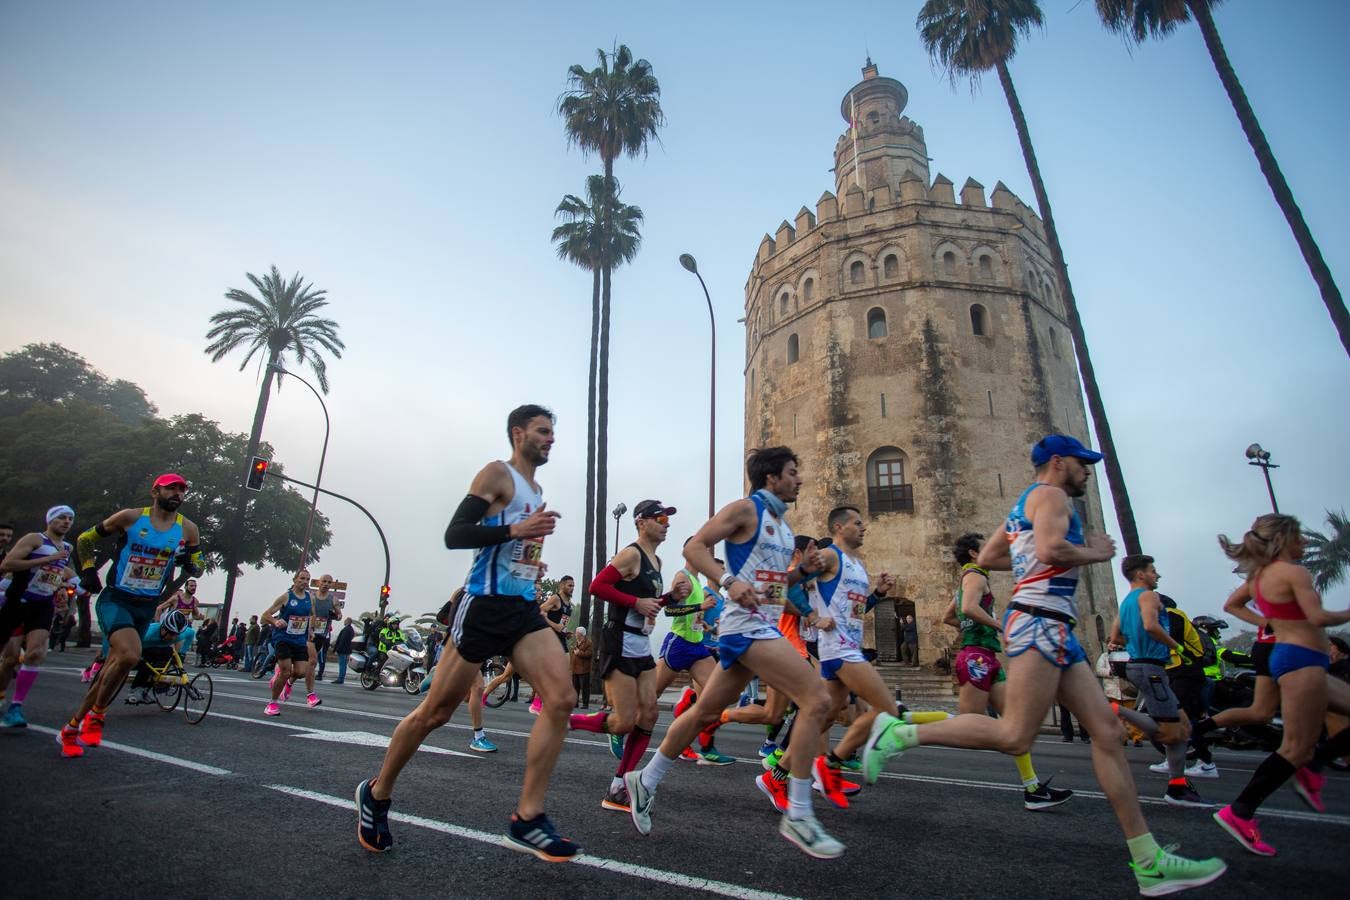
column 358, row 738
column 148, row 754
column 674, row 879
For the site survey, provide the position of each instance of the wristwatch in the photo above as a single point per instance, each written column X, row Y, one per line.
column 726, row 579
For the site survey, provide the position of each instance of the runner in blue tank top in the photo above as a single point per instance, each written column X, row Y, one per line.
column 152, row 542
column 292, row 619
column 1045, row 662
column 759, row 548
column 504, row 520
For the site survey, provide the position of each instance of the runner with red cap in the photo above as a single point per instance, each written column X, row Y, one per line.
column 152, row 541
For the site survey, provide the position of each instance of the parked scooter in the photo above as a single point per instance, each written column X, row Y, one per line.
column 1235, row 691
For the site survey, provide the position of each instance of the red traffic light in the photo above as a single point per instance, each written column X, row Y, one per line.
column 384, row 592
column 257, row 471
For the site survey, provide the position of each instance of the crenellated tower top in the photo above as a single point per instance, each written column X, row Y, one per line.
column 884, row 143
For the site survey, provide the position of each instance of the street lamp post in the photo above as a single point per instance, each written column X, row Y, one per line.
column 617, row 514
column 309, row 522
column 1260, row 457
column 691, row 264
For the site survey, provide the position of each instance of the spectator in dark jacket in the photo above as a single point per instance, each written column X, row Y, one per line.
column 342, row 646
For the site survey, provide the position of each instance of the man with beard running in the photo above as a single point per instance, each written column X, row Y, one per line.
column 504, row 519
column 759, row 548
column 151, row 542
column 1043, row 543
column 38, row 567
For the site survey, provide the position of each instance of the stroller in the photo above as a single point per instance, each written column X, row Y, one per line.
column 226, row 654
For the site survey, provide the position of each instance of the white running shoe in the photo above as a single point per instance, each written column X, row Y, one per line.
column 809, row 837
column 1202, row 770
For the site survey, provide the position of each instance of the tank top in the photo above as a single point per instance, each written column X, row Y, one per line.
column 977, row 634
column 636, row 627
column 509, row 569
column 845, row 598
column 564, row 609
column 43, row 581
column 690, row 627
column 185, row 603
column 323, row 610
column 1289, row 612
column 1038, row 584
column 762, row 562
column 144, row 559
column 1139, row 643
column 295, row 613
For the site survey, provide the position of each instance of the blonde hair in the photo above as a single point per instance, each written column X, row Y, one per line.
column 1264, row 543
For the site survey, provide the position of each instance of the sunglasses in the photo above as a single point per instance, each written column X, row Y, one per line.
column 660, row 520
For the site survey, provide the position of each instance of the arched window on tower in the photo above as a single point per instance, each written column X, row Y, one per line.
column 876, row 322
column 783, row 300
column 890, row 266
column 857, row 272
column 809, row 290
column 949, row 263
column 1054, row 343
column 986, row 268
column 979, row 320
column 887, row 490
column 792, row 351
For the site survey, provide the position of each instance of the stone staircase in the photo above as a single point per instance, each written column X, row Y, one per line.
column 920, row 688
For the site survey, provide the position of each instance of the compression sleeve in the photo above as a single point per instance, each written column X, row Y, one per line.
column 87, row 545
column 465, row 532
column 603, row 588
column 872, row 600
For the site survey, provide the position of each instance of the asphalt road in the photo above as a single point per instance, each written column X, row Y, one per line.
column 242, row 805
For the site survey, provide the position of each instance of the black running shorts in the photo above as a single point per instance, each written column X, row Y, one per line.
column 493, row 625
column 15, row 617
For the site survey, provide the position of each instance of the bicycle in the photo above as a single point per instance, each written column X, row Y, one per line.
column 494, row 667
column 171, row 684
column 263, row 662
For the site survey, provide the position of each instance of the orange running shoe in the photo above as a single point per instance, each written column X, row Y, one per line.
column 69, row 739
column 827, row 780
column 91, row 729
column 689, row 754
column 775, row 790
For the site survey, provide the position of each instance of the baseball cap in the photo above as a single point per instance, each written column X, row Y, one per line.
column 1061, row 445
column 169, row 478
column 649, row 508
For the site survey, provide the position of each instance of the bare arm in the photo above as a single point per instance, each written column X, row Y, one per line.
column 270, row 614
column 1149, row 606
column 1300, row 581
column 1117, row 638
column 995, row 553
column 973, row 586
column 949, row 617
column 1049, row 513
column 1237, row 606
column 17, row 558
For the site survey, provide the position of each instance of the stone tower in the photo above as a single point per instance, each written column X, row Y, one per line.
column 911, row 346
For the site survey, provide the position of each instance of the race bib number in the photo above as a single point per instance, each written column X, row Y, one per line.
column 771, row 586
column 297, row 624
column 857, row 604
column 697, row 625
column 47, row 580
column 143, row 574
column 525, row 559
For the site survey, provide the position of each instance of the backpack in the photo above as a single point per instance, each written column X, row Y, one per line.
column 1210, row 656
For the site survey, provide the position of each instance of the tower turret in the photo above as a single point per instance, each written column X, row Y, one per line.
column 883, row 142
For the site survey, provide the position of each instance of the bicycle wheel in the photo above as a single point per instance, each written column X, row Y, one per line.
column 167, row 694
column 260, row 666
column 197, row 695
column 500, row 692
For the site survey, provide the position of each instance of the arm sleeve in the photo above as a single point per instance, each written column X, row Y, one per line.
column 464, row 532
column 603, row 588
column 86, row 546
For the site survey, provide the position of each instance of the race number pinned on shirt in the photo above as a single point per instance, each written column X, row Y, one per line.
column 857, row 604
column 143, row 573
column 297, row 624
column 525, row 558
column 771, row 586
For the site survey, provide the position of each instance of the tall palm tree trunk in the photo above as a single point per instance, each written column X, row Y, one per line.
column 1120, row 497
column 235, row 534
column 588, row 552
column 1265, row 157
column 602, row 437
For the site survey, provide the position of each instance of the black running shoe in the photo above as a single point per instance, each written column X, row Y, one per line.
column 538, row 836
column 1045, row 797
column 372, row 820
column 1185, row 795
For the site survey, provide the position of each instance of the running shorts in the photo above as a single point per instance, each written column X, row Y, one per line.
column 1052, row 638
column 296, row 652
column 979, row 666
column 1155, row 690
column 1286, row 658
column 493, row 625
column 18, row 617
column 117, row 609
column 632, row 666
column 731, row 646
column 680, row 654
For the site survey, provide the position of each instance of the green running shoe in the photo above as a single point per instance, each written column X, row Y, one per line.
column 889, row 737
column 1170, row 873
column 711, row 757
column 852, row 764
column 772, row 759
column 616, row 746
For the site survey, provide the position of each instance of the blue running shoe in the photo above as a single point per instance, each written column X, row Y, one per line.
column 372, row 820
column 483, row 745
column 766, row 748
column 538, row 836
column 616, row 746
column 14, row 717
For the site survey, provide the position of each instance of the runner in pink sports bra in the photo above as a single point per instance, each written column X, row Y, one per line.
column 1290, row 611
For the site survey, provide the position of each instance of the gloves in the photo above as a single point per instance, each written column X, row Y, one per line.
column 90, row 581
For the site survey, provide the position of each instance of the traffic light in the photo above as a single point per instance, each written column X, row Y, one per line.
column 384, row 595
column 257, row 472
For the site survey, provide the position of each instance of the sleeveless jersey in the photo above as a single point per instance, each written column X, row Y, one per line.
column 509, row 569
column 690, row 627
column 845, row 598
column 646, row 583
column 975, row 634
column 295, row 613
column 323, row 611
column 144, row 559
column 43, row 581
column 1139, row 643
column 763, row 562
column 1038, row 584
column 185, row 603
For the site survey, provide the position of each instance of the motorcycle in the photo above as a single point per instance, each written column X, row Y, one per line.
column 1234, row 691
column 405, row 666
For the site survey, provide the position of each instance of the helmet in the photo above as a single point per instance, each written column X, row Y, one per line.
column 172, row 623
column 1209, row 623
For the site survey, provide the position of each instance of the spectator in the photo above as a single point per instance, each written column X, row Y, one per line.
column 1066, row 727
column 911, row 631
column 205, row 639
column 342, row 646
column 583, row 651
column 869, row 638
column 251, row 635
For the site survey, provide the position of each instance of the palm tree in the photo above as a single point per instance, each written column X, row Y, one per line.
column 968, row 38
column 582, row 240
column 611, row 110
column 1138, row 20
column 280, row 319
column 1327, row 556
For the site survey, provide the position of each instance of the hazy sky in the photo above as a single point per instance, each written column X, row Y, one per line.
column 408, row 159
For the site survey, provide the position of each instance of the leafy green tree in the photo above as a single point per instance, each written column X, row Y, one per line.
column 581, row 240
column 283, row 318
column 612, row 110
column 1327, row 555
column 968, row 38
column 1138, row 20
column 49, row 373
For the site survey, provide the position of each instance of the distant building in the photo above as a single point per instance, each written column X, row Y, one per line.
column 911, row 347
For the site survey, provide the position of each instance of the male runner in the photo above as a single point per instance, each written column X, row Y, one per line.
column 327, row 609
column 978, row 670
column 38, row 567
column 292, row 617
column 1043, row 544
column 557, row 610
column 480, row 742
column 504, row 519
column 185, row 601
column 631, row 584
column 759, row 549
column 152, row 541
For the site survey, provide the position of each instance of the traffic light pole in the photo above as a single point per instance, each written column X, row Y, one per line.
column 384, row 598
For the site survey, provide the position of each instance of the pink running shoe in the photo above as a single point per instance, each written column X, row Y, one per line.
column 272, row 709
column 1308, row 785
column 536, row 704
column 286, row 692
column 313, row 700
column 1244, row 831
